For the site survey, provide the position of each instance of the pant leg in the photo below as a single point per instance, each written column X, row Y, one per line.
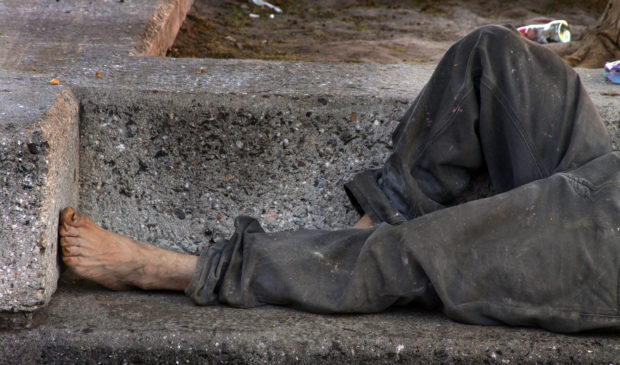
column 544, row 254
column 497, row 103
column 483, row 260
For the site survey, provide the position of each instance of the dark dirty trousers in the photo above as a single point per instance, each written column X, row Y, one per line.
column 544, row 251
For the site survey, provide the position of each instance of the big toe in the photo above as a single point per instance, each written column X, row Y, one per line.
column 67, row 214
column 71, row 217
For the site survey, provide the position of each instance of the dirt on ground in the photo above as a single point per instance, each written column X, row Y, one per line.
column 375, row 31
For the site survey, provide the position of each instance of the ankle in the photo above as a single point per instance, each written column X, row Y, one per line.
column 145, row 273
column 154, row 268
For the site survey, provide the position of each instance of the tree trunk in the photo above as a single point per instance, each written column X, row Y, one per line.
column 600, row 43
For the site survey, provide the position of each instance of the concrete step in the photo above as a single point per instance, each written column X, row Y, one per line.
column 85, row 324
column 38, row 177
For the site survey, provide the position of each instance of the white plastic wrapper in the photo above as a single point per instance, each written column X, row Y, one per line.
column 264, row 3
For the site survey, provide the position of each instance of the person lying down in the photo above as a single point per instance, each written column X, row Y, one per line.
column 544, row 251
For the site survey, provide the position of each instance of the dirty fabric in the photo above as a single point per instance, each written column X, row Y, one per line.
column 543, row 251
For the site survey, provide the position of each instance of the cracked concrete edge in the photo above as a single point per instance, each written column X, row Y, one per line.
column 161, row 30
column 41, row 166
column 62, row 189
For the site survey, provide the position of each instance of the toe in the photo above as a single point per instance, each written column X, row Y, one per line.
column 66, row 214
column 71, row 261
column 71, row 217
column 70, row 251
column 69, row 241
column 68, row 231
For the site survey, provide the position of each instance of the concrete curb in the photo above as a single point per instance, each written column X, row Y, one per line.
column 161, row 30
column 40, row 176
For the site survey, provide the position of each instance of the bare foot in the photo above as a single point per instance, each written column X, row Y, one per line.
column 119, row 262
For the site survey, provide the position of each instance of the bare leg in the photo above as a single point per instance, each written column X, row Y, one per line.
column 364, row 222
column 119, row 262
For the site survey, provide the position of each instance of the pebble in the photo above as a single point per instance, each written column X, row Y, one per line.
column 32, row 148
column 179, row 213
column 347, row 136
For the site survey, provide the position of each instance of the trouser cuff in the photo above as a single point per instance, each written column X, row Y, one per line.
column 368, row 198
column 203, row 287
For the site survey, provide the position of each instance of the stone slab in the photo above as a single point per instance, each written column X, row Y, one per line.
column 38, row 177
column 85, row 325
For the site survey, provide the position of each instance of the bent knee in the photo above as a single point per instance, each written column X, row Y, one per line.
column 496, row 32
